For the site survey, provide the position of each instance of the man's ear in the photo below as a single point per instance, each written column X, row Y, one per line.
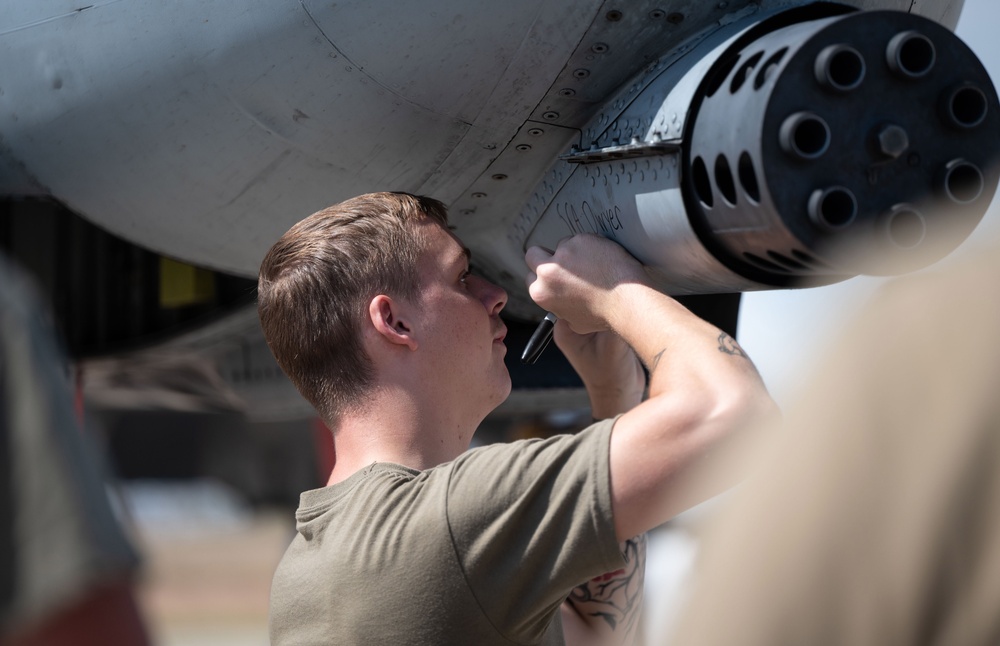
column 388, row 319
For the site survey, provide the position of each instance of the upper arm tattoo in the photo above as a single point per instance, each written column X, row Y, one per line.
column 615, row 598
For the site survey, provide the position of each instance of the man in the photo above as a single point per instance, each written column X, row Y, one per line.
column 371, row 310
column 872, row 519
column 67, row 568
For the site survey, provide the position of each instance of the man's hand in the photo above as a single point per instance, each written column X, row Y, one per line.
column 610, row 370
column 577, row 282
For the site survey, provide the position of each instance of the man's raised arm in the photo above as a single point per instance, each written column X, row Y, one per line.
column 703, row 389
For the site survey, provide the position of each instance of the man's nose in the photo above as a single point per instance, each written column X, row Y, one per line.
column 494, row 297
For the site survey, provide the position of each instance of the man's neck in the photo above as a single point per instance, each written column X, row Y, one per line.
column 393, row 428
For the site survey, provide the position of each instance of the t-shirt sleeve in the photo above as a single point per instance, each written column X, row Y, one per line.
column 530, row 521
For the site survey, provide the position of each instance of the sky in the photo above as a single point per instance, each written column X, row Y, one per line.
column 783, row 331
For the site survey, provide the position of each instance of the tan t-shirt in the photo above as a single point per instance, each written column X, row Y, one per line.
column 482, row 550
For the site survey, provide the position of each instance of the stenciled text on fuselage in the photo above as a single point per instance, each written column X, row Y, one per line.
column 586, row 219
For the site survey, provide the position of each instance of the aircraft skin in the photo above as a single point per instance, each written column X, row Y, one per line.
column 203, row 130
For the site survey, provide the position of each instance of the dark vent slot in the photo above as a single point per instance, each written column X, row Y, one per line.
column 764, row 264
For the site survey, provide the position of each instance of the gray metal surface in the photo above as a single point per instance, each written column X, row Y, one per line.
column 202, row 130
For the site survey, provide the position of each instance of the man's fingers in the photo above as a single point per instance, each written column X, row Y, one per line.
column 536, row 255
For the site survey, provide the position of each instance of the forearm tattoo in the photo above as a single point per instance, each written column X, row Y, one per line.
column 616, row 597
column 656, row 360
column 729, row 345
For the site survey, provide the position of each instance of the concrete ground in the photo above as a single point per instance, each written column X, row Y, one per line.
column 205, row 580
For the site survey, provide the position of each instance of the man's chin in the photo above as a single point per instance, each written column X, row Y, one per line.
column 503, row 392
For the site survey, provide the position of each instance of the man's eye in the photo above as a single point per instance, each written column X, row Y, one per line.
column 465, row 275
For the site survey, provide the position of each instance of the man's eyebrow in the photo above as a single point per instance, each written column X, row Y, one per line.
column 464, row 257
